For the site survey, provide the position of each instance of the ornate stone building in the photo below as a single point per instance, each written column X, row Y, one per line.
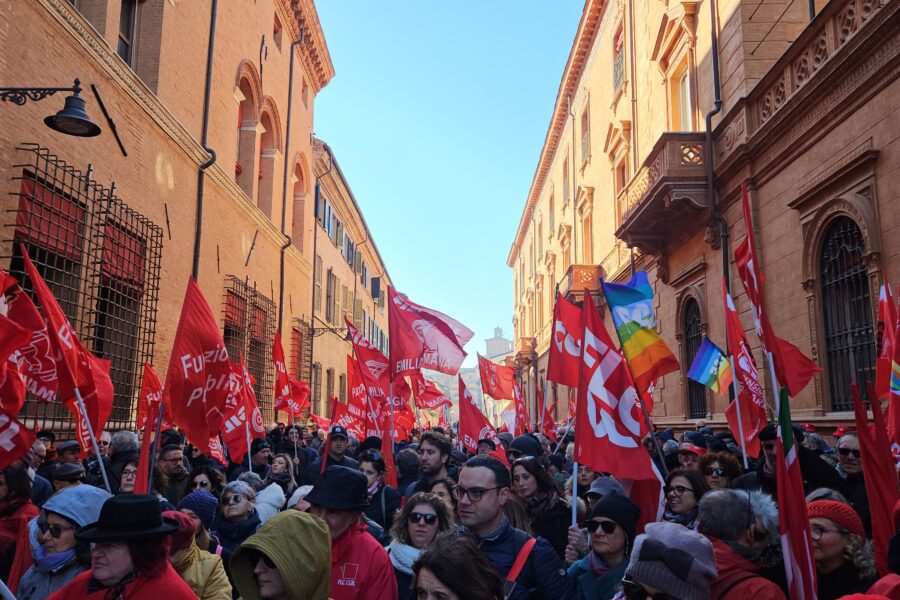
column 807, row 115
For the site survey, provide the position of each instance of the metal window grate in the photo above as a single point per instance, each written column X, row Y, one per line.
column 301, row 350
column 101, row 259
column 248, row 331
column 693, row 337
column 847, row 312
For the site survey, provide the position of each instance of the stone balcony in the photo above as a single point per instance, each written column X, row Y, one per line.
column 524, row 351
column 665, row 202
column 583, row 277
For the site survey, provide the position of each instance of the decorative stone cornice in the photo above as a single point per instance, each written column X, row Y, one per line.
column 313, row 51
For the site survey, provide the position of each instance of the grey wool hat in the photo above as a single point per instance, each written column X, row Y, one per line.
column 675, row 559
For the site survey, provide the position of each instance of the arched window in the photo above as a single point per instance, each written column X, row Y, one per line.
column 267, row 152
column 299, row 208
column 247, row 150
column 847, row 312
column 693, row 337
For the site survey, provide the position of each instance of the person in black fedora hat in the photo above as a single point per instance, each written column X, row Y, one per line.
column 129, row 553
column 334, row 453
column 359, row 564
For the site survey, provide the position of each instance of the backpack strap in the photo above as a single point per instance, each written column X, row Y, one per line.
column 521, row 558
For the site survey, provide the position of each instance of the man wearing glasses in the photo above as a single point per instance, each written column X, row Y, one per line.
column 484, row 487
column 175, row 476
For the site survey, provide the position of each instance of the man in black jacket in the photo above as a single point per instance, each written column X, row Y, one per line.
column 336, row 446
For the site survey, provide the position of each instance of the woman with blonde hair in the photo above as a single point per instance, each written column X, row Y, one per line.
column 844, row 559
column 282, row 473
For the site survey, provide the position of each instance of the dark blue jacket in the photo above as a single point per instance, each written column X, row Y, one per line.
column 544, row 575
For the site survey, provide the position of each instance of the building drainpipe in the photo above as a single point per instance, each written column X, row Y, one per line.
column 287, row 144
column 312, row 304
column 201, row 174
column 714, row 215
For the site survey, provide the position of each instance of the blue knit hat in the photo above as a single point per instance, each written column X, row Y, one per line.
column 78, row 504
column 203, row 504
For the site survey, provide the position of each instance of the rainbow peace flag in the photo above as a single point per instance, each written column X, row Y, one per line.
column 711, row 368
column 631, row 306
column 895, row 378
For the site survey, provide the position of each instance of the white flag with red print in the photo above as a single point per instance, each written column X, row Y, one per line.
column 422, row 338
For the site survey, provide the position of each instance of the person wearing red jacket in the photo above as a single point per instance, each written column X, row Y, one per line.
column 129, row 554
column 360, row 566
column 728, row 519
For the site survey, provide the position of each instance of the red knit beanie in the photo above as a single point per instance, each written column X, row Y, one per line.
column 840, row 513
column 181, row 539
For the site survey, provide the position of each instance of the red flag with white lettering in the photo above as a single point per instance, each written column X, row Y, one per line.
column 300, row 393
column 12, row 386
column 522, row 418
column 283, row 400
column 148, row 412
column 242, row 417
column 548, row 427
column 198, row 382
column 496, row 380
column 473, row 425
column 79, row 371
column 422, row 338
column 320, row 422
column 428, row 396
column 565, row 347
column 374, row 370
column 15, row 439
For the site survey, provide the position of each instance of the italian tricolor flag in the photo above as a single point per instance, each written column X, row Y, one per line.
column 796, row 543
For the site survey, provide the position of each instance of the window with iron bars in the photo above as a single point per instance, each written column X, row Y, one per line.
column 101, row 260
column 248, row 331
column 317, row 387
column 301, row 350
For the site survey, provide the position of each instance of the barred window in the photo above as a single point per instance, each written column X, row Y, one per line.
column 329, row 296
column 329, row 385
column 317, row 387
column 301, row 350
column 342, row 387
column 101, row 260
column 317, row 301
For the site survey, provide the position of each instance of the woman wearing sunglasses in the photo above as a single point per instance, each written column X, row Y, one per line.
column 208, row 479
column 384, row 501
column 416, row 526
column 850, row 468
column 719, row 469
column 683, row 490
column 549, row 514
column 237, row 519
column 611, row 525
column 60, row 557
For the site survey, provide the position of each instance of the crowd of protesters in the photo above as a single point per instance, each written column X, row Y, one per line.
column 310, row 514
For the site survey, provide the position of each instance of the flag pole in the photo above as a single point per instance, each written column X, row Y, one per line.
column 153, row 448
column 247, row 429
column 87, row 423
column 575, row 494
column 737, row 403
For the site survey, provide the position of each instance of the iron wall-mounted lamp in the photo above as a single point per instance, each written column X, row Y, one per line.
column 71, row 120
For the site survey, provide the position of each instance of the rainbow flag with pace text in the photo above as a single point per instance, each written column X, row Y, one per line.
column 631, row 306
column 711, row 368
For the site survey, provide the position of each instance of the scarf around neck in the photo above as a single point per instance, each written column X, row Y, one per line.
column 373, row 489
column 50, row 563
column 540, row 503
column 403, row 556
column 687, row 519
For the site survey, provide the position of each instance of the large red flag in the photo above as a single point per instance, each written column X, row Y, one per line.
column 357, row 401
column 565, row 349
column 522, row 418
column 422, row 338
column 243, row 420
column 570, row 414
column 387, row 451
column 893, row 412
column 300, row 394
column 320, row 422
column 284, row 399
column 428, row 396
column 15, row 439
column 548, row 427
column 149, row 401
column 884, row 338
column 198, row 382
column 881, row 476
column 80, row 372
column 12, row 385
column 473, row 425
column 792, row 368
column 496, row 380
column 752, row 402
column 375, row 373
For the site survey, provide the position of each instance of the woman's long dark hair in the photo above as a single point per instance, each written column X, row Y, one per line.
column 18, row 486
column 400, row 528
column 215, row 476
column 535, row 467
column 459, row 565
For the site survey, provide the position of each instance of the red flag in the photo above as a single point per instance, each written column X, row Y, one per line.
column 148, row 412
column 881, row 476
column 428, row 396
column 608, row 417
column 442, row 420
column 571, row 412
column 15, row 439
column 496, row 380
column 522, row 418
column 565, row 349
column 198, row 382
column 284, row 399
column 79, row 371
column 885, row 338
column 422, row 338
column 35, row 360
column 320, row 422
column 242, row 416
column 216, row 451
column 12, row 386
column 300, row 393
column 387, row 451
column 473, row 425
column 792, row 368
column 753, row 404
column 548, row 427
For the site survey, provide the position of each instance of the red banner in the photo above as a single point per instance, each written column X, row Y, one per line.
column 885, row 332
column 149, row 402
column 320, row 422
column 242, row 417
column 428, row 396
column 283, row 399
column 198, row 382
column 522, row 418
column 565, row 349
column 422, row 338
column 374, row 371
column 300, row 394
column 497, row 381
column 548, row 427
column 473, row 425
column 15, row 440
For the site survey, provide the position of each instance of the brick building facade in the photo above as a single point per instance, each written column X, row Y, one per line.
column 806, row 118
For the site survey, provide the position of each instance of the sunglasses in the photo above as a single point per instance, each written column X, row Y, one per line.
column 607, row 526
column 201, row 484
column 55, row 530
column 417, row 517
column 848, row 451
column 678, row 490
column 634, row 591
column 235, row 499
column 710, row 471
column 256, row 555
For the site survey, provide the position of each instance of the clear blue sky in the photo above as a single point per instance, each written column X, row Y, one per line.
column 437, row 115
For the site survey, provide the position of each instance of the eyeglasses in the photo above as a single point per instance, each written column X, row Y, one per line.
column 816, row 532
column 710, row 471
column 634, row 591
column 235, row 499
column 678, row 490
column 475, row 493
column 607, row 526
column 848, row 451
column 429, row 518
column 129, row 473
column 55, row 530
column 200, row 484
column 256, row 555
column 102, row 443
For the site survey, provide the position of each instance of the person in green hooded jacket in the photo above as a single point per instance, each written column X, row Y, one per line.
column 288, row 558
